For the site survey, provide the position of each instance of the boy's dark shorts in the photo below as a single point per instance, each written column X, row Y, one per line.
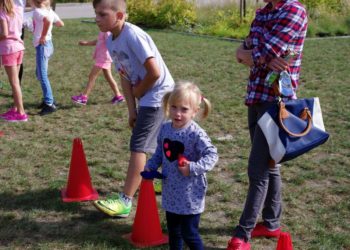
column 147, row 126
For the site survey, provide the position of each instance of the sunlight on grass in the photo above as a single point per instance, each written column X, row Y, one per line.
column 35, row 156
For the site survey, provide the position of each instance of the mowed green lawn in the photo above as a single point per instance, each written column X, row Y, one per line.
column 35, row 156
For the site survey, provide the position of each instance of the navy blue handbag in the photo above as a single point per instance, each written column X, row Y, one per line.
column 293, row 128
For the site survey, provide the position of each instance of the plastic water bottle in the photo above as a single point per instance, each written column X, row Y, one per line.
column 271, row 77
column 285, row 84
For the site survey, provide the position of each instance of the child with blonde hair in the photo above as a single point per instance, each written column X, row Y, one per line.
column 103, row 61
column 185, row 152
column 43, row 19
column 11, row 53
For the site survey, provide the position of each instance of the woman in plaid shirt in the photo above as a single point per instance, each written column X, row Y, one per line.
column 278, row 28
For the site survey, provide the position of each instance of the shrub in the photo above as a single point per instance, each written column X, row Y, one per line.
column 328, row 25
column 71, row 1
column 142, row 12
column 224, row 21
column 176, row 13
column 326, row 22
column 162, row 13
column 326, row 18
column 335, row 6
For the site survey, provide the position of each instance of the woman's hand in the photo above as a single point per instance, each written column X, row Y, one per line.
column 278, row 64
column 244, row 56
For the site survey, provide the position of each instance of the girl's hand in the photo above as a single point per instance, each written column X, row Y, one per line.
column 184, row 168
column 59, row 23
column 83, row 43
column 182, row 160
column 87, row 43
column 42, row 40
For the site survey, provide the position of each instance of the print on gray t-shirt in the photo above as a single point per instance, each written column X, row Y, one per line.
column 129, row 52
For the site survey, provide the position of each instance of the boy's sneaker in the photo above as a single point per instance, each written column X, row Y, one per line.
column 11, row 111
column 80, row 99
column 117, row 99
column 114, row 207
column 48, row 109
column 16, row 117
column 157, row 186
column 261, row 230
column 238, row 244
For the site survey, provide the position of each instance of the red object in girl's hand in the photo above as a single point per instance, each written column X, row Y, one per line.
column 181, row 160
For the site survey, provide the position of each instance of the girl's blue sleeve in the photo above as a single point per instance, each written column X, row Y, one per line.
column 156, row 160
column 208, row 155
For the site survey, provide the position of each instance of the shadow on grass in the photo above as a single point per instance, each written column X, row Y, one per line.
column 44, row 199
column 75, row 232
column 36, row 105
column 217, row 230
column 7, row 95
column 22, row 222
column 41, row 218
column 214, row 248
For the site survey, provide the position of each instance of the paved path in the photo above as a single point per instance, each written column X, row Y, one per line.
column 75, row 10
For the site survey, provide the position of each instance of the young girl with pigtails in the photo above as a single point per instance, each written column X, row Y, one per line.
column 185, row 153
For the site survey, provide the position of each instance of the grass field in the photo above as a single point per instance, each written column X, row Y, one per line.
column 35, row 156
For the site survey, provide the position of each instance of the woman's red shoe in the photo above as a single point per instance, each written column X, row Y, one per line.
column 262, row 231
column 238, row 244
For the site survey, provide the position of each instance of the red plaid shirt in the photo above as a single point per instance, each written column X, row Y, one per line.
column 273, row 33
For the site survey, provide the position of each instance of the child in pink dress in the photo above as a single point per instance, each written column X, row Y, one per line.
column 11, row 55
column 103, row 61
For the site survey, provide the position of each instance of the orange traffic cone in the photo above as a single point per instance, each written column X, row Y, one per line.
column 146, row 230
column 284, row 242
column 79, row 186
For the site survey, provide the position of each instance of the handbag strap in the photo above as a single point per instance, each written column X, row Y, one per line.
column 305, row 115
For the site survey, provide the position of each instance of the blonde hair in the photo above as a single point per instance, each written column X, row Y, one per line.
column 186, row 91
column 7, row 6
column 116, row 5
column 38, row 3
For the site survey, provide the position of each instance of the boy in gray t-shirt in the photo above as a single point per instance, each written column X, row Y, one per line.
column 145, row 79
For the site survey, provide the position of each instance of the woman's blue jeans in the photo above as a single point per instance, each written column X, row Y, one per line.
column 43, row 54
